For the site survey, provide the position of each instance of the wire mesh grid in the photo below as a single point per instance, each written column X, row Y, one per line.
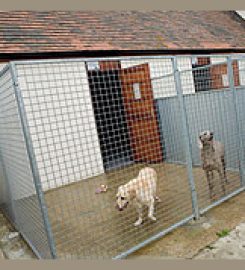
column 214, row 130
column 95, row 124
column 19, row 201
column 93, row 127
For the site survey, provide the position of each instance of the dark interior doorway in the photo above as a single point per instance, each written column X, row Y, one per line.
column 202, row 76
column 106, row 94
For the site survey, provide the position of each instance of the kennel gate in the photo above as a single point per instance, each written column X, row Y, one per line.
column 69, row 125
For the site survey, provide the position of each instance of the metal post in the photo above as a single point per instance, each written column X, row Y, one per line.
column 32, row 160
column 186, row 136
column 237, row 120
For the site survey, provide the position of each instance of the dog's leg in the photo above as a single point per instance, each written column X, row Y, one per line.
column 222, row 179
column 140, row 213
column 155, row 194
column 151, row 210
column 224, row 170
column 210, row 185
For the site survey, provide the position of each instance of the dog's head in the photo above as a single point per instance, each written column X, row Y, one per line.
column 205, row 138
column 123, row 197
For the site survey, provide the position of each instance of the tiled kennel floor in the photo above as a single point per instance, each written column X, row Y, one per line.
column 87, row 225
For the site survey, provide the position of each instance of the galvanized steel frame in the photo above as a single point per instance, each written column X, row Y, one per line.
column 32, row 160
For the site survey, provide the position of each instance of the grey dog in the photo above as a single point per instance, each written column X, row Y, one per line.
column 213, row 159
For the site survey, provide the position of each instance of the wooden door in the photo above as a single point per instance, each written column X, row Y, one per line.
column 220, row 70
column 141, row 114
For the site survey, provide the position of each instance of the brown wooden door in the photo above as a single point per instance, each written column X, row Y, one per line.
column 217, row 71
column 141, row 114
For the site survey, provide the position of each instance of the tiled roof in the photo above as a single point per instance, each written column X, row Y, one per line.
column 59, row 31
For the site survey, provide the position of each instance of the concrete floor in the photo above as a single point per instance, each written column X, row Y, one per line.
column 231, row 246
column 87, row 225
column 191, row 240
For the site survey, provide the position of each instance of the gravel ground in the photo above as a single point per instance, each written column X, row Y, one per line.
column 12, row 246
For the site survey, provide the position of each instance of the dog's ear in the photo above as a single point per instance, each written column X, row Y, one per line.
column 211, row 135
column 132, row 194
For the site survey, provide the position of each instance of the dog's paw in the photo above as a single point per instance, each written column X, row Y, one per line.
column 152, row 218
column 138, row 222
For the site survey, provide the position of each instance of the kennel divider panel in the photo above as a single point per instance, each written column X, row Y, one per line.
column 21, row 197
column 32, row 159
column 233, row 82
column 214, row 110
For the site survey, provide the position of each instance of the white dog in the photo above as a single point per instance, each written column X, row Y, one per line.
column 141, row 191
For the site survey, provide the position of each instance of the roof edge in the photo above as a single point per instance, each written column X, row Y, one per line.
column 117, row 53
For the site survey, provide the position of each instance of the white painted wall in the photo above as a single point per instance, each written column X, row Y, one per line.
column 61, row 119
column 241, row 67
column 161, row 71
column 186, row 76
column 217, row 59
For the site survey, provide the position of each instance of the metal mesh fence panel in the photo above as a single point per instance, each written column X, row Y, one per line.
column 19, row 200
column 213, row 121
column 101, row 122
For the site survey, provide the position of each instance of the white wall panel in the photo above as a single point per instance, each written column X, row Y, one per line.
column 62, row 125
column 241, row 67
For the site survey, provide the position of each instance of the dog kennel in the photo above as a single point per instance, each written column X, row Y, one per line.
column 69, row 125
